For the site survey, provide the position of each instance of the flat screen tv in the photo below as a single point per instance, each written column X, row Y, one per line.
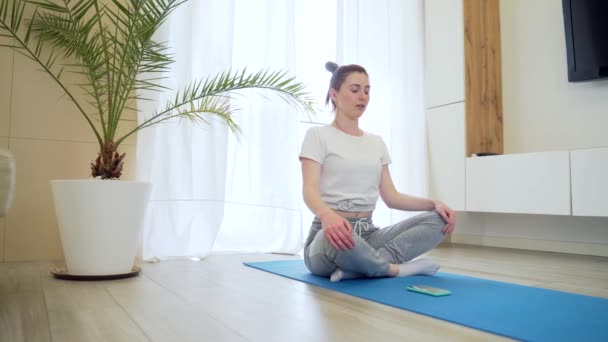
column 586, row 28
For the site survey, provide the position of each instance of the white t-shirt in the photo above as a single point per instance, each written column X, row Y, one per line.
column 350, row 166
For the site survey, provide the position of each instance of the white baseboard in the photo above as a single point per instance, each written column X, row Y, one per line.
column 596, row 249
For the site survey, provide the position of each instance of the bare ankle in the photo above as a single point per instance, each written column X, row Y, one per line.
column 393, row 270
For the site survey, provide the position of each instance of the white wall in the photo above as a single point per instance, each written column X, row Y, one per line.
column 542, row 110
column 50, row 140
column 564, row 234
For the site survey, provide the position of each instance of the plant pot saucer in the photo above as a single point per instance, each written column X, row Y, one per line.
column 62, row 273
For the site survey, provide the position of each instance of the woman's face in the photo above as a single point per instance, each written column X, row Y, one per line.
column 352, row 97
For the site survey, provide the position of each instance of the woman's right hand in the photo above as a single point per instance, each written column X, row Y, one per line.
column 337, row 230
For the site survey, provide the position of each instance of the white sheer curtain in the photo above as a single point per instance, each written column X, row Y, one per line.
column 187, row 163
column 262, row 211
column 214, row 192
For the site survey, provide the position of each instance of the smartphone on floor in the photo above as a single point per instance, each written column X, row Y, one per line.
column 428, row 290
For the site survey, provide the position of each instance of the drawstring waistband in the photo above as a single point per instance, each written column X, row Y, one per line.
column 361, row 224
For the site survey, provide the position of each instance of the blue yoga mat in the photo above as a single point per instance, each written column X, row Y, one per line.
column 515, row 311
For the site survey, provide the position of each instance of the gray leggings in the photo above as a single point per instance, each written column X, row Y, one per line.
column 374, row 248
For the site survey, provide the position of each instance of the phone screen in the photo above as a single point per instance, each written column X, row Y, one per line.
column 430, row 289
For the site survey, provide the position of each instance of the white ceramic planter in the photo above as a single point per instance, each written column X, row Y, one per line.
column 99, row 223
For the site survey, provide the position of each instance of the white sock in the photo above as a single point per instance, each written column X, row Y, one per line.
column 418, row 267
column 340, row 274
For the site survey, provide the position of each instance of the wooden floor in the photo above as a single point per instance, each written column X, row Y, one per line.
column 218, row 299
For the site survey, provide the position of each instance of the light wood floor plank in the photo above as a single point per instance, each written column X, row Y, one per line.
column 19, row 277
column 220, row 299
column 23, row 317
column 165, row 316
column 85, row 311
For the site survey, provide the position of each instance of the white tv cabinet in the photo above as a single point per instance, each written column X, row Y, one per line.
column 551, row 183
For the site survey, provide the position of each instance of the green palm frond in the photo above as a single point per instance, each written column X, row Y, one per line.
column 199, row 111
column 215, row 93
column 231, row 81
column 13, row 26
column 110, row 43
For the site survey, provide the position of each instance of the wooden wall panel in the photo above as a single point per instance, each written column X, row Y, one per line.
column 483, row 76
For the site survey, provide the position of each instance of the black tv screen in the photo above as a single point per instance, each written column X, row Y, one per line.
column 586, row 28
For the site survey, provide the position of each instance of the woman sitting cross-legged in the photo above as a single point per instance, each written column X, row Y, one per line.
column 344, row 170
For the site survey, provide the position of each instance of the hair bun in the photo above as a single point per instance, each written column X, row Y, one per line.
column 331, row 67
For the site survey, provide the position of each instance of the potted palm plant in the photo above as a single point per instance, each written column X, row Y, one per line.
column 111, row 45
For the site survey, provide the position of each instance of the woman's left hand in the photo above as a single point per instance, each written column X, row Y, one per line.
column 447, row 214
